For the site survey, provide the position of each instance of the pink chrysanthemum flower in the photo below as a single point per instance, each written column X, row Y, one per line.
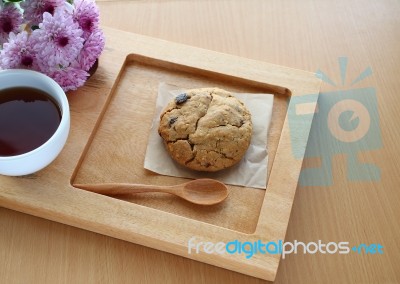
column 18, row 52
column 86, row 14
column 69, row 78
column 58, row 40
column 34, row 9
column 91, row 50
column 64, row 41
column 10, row 21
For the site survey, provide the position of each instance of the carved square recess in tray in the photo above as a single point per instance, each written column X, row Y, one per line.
column 117, row 151
column 108, row 144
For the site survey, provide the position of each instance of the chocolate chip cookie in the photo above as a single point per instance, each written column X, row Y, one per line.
column 206, row 129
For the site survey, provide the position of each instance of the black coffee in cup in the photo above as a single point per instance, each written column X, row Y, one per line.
column 28, row 118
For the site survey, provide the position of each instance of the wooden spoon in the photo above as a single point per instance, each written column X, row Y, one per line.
column 199, row 191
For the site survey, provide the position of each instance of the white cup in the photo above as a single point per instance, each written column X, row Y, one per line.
column 42, row 156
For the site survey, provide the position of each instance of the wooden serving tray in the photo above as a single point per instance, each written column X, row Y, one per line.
column 110, row 121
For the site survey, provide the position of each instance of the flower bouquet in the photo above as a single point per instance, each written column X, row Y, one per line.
column 58, row 38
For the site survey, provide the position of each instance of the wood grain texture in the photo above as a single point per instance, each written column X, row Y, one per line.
column 365, row 31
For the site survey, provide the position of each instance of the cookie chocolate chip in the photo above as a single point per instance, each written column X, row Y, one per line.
column 180, row 99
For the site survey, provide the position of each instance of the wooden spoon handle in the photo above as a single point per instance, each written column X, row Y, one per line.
column 122, row 188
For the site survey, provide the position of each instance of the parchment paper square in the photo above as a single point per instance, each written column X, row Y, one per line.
column 251, row 171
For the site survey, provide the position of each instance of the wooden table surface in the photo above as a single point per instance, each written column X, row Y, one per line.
column 310, row 35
